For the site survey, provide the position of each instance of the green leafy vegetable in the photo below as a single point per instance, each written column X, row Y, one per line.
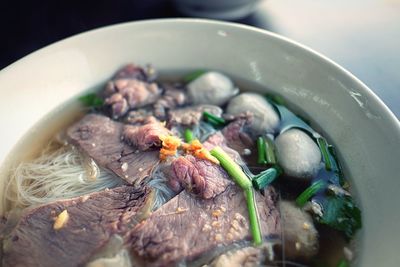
column 188, row 135
column 261, row 150
column 193, row 75
column 214, row 120
column 323, row 146
column 310, row 192
column 342, row 263
column 341, row 213
column 240, row 178
column 91, row 100
column 265, row 177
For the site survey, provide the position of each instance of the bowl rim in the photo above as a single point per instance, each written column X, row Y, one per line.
column 385, row 109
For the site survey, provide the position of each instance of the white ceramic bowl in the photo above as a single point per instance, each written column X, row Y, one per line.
column 365, row 132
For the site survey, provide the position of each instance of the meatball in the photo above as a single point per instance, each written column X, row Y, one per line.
column 265, row 118
column 211, row 88
column 300, row 238
column 298, row 154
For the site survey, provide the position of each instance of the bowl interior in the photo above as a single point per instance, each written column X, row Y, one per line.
column 364, row 131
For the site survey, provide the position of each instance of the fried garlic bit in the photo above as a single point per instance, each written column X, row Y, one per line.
column 61, row 220
column 196, row 149
column 170, row 145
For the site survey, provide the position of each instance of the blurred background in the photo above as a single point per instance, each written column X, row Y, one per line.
column 361, row 35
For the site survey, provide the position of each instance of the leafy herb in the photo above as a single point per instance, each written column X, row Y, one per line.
column 266, row 177
column 188, row 135
column 237, row 174
column 214, row 120
column 341, row 213
column 342, row 263
column 91, row 100
column 193, row 75
column 309, row 192
column 323, row 146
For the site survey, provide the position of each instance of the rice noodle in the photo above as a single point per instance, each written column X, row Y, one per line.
column 158, row 181
column 57, row 174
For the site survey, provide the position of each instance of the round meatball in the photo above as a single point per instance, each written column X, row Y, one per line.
column 265, row 119
column 211, row 88
column 299, row 235
column 298, row 154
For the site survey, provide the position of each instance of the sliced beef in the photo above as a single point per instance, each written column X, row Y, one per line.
column 218, row 139
column 100, row 138
column 132, row 71
column 198, row 176
column 145, row 136
column 173, row 97
column 130, row 88
column 93, row 219
column 129, row 94
column 138, row 117
column 237, row 134
column 185, row 228
column 191, row 115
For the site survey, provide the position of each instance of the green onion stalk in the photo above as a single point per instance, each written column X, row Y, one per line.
column 266, row 177
column 240, row 178
column 214, row 120
column 323, row 146
column 188, row 135
column 302, row 199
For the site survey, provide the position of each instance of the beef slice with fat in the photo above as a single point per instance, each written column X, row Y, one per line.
column 101, row 138
column 186, row 228
column 93, row 220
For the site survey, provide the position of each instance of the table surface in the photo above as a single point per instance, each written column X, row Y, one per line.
column 361, row 35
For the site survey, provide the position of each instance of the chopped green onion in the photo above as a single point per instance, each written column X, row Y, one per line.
column 265, row 178
column 188, row 135
column 309, row 192
column 323, row 146
column 193, row 75
column 269, row 151
column 243, row 182
column 91, row 100
column 261, row 150
column 253, row 217
column 214, row 120
column 342, row 263
column 230, row 166
column 265, row 149
column 334, row 159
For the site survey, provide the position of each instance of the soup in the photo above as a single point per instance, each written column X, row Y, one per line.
column 192, row 172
